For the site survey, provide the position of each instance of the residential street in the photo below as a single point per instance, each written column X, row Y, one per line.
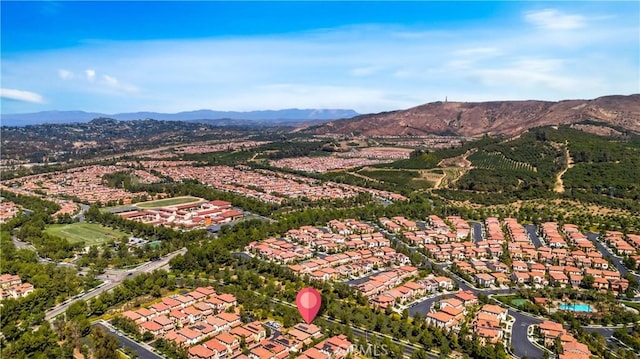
column 142, row 350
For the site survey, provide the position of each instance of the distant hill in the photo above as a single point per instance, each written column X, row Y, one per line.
column 207, row 116
column 102, row 136
column 498, row 117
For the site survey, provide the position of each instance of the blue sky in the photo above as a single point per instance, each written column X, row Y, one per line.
column 368, row 56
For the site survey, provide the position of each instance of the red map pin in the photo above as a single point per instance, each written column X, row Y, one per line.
column 308, row 302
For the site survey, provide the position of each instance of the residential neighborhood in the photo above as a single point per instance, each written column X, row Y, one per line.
column 12, row 286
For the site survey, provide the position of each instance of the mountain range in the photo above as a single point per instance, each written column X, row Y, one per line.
column 497, row 117
column 206, row 116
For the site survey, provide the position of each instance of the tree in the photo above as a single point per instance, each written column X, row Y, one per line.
column 106, row 345
column 588, row 281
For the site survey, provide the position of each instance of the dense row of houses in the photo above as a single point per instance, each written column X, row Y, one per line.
column 566, row 259
column 552, row 333
column 268, row 186
column 487, row 321
column 349, row 249
column 11, row 286
column 382, row 153
column 624, row 244
column 404, row 293
column 8, row 210
column 187, row 318
column 218, row 147
column 324, row 163
column 84, row 183
column 205, row 323
column 187, row 216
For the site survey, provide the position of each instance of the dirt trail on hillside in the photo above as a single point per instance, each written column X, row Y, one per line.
column 559, row 186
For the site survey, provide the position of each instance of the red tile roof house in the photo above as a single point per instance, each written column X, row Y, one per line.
column 280, row 351
column 219, row 325
column 550, row 331
column 494, row 310
column 204, row 308
column 179, row 318
column 175, row 337
column 451, row 302
column 228, row 299
column 166, row 323
column 133, row 316
column 152, row 327
column 217, row 347
column 337, row 347
column 261, row 353
column 559, row 279
column 257, row 330
column 305, row 333
column 313, row 353
column 576, row 348
column 8, row 280
column 146, row 314
column 208, row 291
column 466, row 297
column 520, row 277
column 197, row 296
column 216, row 303
column 242, row 332
column 231, row 342
column 184, row 300
column 201, row 352
column 160, row 308
column 193, row 313
column 192, row 336
column 456, row 313
column 441, row 320
column 484, row 279
column 231, row 318
column 172, row 303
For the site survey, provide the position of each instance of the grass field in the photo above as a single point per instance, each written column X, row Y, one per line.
column 168, row 202
column 511, row 299
column 89, row 233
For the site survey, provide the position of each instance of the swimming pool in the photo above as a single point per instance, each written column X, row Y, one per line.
column 575, row 307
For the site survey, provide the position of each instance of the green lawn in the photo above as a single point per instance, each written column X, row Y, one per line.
column 89, row 233
column 168, row 202
column 511, row 299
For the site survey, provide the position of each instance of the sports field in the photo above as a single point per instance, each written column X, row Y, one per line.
column 90, row 233
column 168, row 202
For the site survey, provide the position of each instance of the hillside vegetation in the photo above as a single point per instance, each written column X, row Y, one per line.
column 605, row 170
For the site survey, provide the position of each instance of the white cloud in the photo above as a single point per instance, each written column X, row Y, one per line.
column 65, row 74
column 533, row 73
column 115, row 84
column 91, row 74
column 555, row 20
column 109, row 80
column 20, row 95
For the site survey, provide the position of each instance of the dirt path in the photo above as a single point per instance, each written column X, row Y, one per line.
column 454, row 168
column 438, row 182
column 363, row 177
column 559, row 186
